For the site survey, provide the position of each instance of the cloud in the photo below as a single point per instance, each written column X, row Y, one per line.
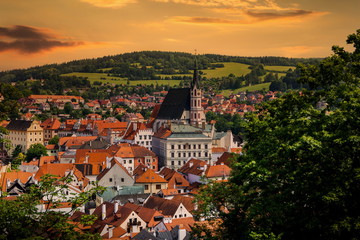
column 205, row 20
column 109, row 3
column 278, row 14
column 241, row 11
column 29, row 40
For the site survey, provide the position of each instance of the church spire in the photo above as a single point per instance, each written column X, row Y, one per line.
column 196, row 78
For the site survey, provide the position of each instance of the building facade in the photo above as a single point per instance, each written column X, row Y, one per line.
column 24, row 133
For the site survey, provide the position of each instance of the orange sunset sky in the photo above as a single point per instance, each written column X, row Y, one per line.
column 38, row 32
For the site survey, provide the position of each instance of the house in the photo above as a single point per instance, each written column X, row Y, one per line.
column 77, row 181
column 175, row 144
column 130, row 156
column 152, row 217
column 138, row 133
column 193, row 170
column 169, row 208
column 114, row 175
column 175, row 180
column 50, row 127
column 111, row 218
column 53, row 98
column 217, row 172
column 15, row 183
column 132, row 117
column 24, row 133
column 151, row 181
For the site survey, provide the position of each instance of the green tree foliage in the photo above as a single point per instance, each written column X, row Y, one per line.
column 17, row 161
column 35, row 151
column 20, row 218
column 54, row 140
column 16, row 151
column 299, row 176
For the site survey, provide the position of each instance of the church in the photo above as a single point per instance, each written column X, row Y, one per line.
column 181, row 131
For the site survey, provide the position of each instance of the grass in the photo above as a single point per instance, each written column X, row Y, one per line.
column 252, row 88
column 104, row 78
column 238, row 69
column 279, row 68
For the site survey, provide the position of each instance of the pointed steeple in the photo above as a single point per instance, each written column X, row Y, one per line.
column 196, row 77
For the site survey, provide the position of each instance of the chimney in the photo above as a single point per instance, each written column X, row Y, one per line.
column 103, row 211
column 116, row 207
column 108, row 162
column 110, row 230
column 182, row 234
column 87, row 159
column 191, row 164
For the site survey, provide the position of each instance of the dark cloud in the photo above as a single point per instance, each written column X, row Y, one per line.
column 205, row 20
column 278, row 14
column 25, row 39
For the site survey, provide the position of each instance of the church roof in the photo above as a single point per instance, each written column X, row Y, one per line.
column 176, row 101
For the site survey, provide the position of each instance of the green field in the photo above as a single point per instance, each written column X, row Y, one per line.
column 103, row 77
column 256, row 87
column 238, row 69
column 279, row 68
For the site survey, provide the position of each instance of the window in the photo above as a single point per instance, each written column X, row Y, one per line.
column 124, row 161
column 199, row 145
column 172, row 163
column 206, row 146
column 179, row 146
column 122, row 180
column 184, row 154
column 179, row 154
column 172, row 155
column 110, row 179
column 206, row 154
column 146, row 187
column 179, row 162
column 158, row 186
column 172, row 146
column 130, row 161
column 199, row 155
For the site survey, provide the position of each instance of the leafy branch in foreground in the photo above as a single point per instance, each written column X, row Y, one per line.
column 299, row 176
column 23, row 218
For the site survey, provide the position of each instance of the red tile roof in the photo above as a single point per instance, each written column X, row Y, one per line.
column 149, row 176
column 217, row 171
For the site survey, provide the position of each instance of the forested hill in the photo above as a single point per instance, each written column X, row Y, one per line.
column 147, row 61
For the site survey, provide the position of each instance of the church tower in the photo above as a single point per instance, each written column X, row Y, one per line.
column 197, row 116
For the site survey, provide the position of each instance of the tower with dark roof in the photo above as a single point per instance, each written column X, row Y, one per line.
column 182, row 105
column 197, row 116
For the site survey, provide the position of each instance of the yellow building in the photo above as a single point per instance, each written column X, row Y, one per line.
column 151, row 181
column 24, row 133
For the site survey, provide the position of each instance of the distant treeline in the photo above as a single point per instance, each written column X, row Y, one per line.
column 142, row 65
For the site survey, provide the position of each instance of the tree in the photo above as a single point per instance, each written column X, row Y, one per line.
column 21, row 219
column 4, row 143
column 54, row 140
column 35, row 151
column 17, row 161
column 299, row 175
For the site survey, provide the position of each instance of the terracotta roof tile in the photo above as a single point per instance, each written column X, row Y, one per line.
column 150, row 177
column 217, row 171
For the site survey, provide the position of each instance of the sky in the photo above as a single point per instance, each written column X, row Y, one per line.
column 41, row 32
